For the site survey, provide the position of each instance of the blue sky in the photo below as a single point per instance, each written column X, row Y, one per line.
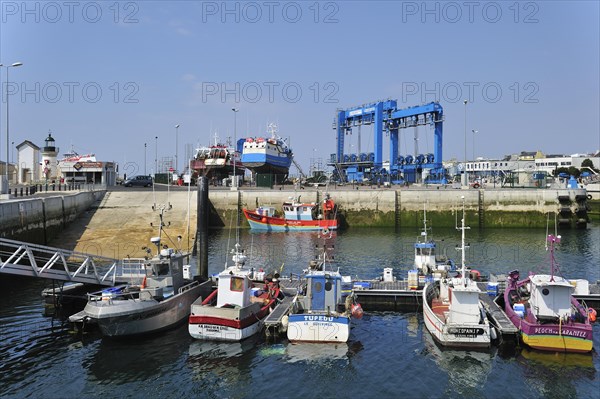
column 107, row 77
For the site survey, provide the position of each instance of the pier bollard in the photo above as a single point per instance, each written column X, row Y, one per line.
column 21, row 191
column 53, row 186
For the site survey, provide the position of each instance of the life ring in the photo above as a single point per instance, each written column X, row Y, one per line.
column 325, row 230
column 589, row 196
column 476, row 185
column 592, row 314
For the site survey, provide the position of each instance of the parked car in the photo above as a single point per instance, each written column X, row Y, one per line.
column 143, row 181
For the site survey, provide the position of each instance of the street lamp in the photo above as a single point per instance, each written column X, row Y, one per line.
column 155, row 156
column 474, row 131
column 176, row 145
column 14, row 65
column 145, row 146
column 235, row 111
column 465, row 178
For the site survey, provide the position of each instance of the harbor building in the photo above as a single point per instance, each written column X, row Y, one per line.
column 28, row 161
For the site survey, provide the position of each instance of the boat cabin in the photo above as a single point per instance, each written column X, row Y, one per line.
column 550, row 299
column 235, row 289
column 464, row 305
column 425, row 256
column 164, row 273
column 298, row 211
column 268, row 211
column 324, row 291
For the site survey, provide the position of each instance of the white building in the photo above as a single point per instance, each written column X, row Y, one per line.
column 28, row 161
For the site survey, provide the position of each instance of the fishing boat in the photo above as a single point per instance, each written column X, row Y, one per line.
column 236, row 308
column 161, row 301
column 542, row 307
column 427, row 264
column 297, row 216
column 267, row 154
column 217, row 161
column 452, row 311
column 320, row 312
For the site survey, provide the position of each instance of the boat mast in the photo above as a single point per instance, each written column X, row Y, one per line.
column 463, row 228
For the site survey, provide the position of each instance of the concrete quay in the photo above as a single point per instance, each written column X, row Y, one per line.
column 117, row 223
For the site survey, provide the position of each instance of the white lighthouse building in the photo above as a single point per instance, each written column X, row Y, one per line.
column 49, row 166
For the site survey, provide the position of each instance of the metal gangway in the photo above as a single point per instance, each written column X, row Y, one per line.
column 33, row 260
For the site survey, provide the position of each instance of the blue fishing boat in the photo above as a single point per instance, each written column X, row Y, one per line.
column 267, row 154
column 320, row 312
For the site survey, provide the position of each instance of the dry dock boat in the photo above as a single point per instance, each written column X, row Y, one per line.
column 542, row 307
column 452, row 311
column 235, row 310
column 297, row 216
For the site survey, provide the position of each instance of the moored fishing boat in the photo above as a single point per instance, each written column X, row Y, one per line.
column 319, row 312
column 542, row 307
column 426, row 260
column 297, row 216
column 452, row 310
column 236, row 308
column 160, row 302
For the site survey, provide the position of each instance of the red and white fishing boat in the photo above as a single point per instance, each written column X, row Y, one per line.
column 297, row 216
column 235, row 310
column 542, row 307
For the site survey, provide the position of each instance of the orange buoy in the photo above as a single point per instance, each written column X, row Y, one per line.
column 264, row 220
column 356, row 311
column 143, row 283
column 592, row 314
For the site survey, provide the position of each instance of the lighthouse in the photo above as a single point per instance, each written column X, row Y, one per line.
column 49, row 163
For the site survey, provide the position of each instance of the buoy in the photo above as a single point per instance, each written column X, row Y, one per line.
column 356, row 311
column 592, row 314
column 143, row 283
column 264, row 220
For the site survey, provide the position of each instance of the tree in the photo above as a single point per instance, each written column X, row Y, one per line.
column 587, row 163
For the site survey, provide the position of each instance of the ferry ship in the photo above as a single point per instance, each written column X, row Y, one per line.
column 267, row 154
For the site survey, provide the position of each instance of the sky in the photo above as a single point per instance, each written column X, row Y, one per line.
column 115, row 78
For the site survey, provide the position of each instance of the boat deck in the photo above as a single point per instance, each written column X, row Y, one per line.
column 440, row 308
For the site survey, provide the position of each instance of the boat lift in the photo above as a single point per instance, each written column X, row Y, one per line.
column 385, row 115
column 26, row 259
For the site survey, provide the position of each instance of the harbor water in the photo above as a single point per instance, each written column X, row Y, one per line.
column 389, row 354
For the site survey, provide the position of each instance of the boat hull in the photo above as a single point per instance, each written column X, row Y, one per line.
column 117, row 318
column 568, row 337
column 456, row 335
column 268, row 223
column 318, row 327
column 266, row 163
column 208, row 322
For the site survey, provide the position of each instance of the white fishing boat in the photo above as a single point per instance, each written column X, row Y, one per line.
column 452, row 310
column 319, row 312
column 426, row 263
column 160, row 302
column 236, row 308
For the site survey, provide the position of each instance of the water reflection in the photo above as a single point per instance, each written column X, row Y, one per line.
column 557, row 375
column 467, row 370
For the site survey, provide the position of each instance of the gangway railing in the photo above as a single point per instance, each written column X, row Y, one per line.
column 33, row 260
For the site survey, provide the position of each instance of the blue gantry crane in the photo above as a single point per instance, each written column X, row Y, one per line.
column 385, row 116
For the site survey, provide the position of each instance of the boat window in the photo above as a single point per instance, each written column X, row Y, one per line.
column 318, row 287
column 545, row 291
column 237, row 284
column 328, row 285
column 160, row 269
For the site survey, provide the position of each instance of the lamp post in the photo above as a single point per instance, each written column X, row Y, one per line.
column 176, row 146
column 155, row 156
column 474, row 131
column 465, row 178
column 145, row 146
column 14, row 65
column 235, row 111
